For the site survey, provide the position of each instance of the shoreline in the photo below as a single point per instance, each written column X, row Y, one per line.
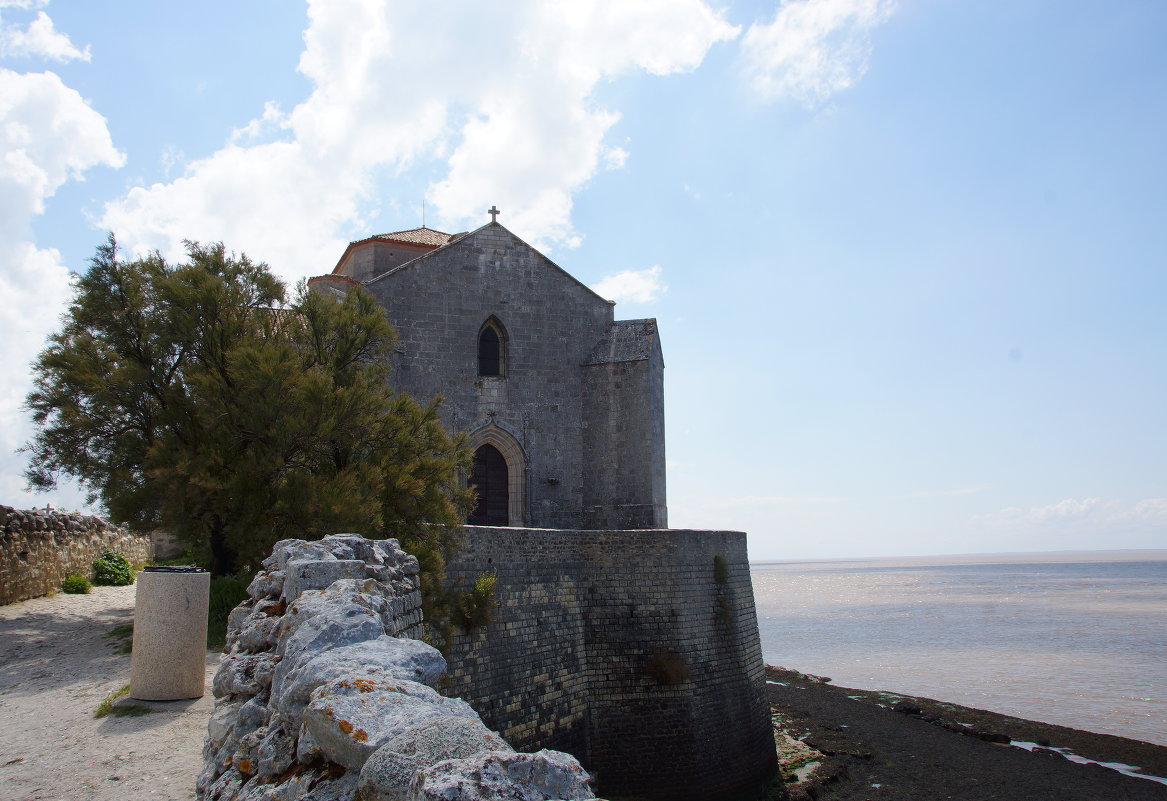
column 838, row 743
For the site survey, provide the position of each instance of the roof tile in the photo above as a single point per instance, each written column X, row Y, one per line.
column 417, row 236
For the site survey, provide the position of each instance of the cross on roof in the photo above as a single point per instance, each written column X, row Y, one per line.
column 493, row 212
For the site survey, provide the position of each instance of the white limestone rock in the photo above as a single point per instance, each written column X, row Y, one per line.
column 317, row 574
column 258, row 632
column 389, row 772
column 362, row 592
column 250, row 716
column 540, row 776
column 225, row 788
column 307, row 750
column 341, row 788
column 389, row 551
column 237, row 615
column 294, row 788
column 286, row 551
column 220, row 726
column 266, row 584
column 382, row 573
column 383, row 658
column 275, row 753
column 350, row 719
column 245, row 759
column 272, row 560
column 354, row 546
column 243, row 674
column 220, row 762
column 205, row 779
column 345, row 625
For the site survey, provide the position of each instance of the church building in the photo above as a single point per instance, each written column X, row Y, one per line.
column 563, row 404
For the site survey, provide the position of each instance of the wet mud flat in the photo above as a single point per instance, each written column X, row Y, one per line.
column 841, row 744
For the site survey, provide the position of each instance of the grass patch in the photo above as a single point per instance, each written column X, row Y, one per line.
column 106, row 708
column 121, row 638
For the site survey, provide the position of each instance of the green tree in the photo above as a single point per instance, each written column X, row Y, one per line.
column 194, row 398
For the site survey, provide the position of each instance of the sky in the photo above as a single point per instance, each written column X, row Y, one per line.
column 906, row 256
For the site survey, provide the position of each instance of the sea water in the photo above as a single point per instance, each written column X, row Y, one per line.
column 1077, row 639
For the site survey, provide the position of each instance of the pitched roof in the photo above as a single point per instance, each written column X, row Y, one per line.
column 416, row 236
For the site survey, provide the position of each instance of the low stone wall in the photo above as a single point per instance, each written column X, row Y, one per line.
column 323, row 696
column 38, row 548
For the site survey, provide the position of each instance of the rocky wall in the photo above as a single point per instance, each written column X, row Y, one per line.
column 39, row 547
column 323, row 696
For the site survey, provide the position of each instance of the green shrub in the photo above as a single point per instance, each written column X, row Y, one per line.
column 112, row 570
column 75, row 585
column 227, row 592
column 474, row 607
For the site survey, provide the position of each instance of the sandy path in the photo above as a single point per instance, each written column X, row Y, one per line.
column 55, row 668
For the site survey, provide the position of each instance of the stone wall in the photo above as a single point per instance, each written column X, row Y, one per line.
column 38, row 548
column 322, row 696
column 637, row 651
column 624, row 430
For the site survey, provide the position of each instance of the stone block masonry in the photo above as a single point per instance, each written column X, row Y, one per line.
column 38, row 548
column 637, row 651
column 575, row 403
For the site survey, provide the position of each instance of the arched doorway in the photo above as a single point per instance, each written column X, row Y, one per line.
column 492, row 482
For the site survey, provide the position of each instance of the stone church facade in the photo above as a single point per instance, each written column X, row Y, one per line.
column 563, row 404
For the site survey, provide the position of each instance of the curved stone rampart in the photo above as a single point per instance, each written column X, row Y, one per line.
column 637, row 651
column 39, row 547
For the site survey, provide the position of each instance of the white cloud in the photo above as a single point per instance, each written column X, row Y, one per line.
column 39, row 39
column 502, row 93
column 812, row 48
column 1120, row 524
column 48, row 135
column 632, row 286
column 270, row 122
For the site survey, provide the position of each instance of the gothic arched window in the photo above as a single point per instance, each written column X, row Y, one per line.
column 491, row 349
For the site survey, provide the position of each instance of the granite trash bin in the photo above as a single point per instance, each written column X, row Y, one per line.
column 168, row 660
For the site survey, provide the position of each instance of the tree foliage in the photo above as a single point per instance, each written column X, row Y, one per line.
column 195, row 398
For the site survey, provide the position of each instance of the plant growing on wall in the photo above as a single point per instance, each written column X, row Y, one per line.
column 720, row 569
column 195, row 398
column 475, row 605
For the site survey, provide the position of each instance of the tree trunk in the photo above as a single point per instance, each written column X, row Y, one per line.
column 222, row 555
